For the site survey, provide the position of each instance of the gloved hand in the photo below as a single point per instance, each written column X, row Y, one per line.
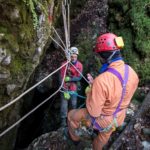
column 90, row 78
column 87, row 89
column 67, row 79
column 66, row 95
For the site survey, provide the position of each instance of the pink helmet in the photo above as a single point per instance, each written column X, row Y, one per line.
column 108, row 42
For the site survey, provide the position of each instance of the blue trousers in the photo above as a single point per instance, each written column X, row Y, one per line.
column 66, row 104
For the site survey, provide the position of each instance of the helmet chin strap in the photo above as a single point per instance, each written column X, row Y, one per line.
column 110, row 57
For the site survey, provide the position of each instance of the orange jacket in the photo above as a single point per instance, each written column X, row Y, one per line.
column 106, row 91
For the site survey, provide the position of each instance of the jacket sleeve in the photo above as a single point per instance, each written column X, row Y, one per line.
column 96, row 98
column 78, row 78
column 62, row 72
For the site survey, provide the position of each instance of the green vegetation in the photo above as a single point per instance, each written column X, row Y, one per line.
column 130, row 20
column 76, row 6
column 141, row 26
column 31, row 5
column 17, row 66
column 12, row 41
column 85, row 45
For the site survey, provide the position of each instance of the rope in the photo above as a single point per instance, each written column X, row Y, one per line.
column 16, row 99
column 70, row 62
column 67, row 36
column 73, row 93
column 79, row 72
column 57, row 43
column 65, row 24
column 68, row 6
column 59, row 37
column 81, row 106
column 66, row 20
column 61, row 47
column 25, row 116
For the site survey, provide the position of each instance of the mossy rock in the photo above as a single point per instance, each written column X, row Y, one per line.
column 136, row 34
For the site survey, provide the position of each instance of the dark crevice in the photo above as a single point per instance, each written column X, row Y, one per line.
column 32, row 127
column 43, row 120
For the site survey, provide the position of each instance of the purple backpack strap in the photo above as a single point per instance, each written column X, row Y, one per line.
column 95, row 124
column 123, row 82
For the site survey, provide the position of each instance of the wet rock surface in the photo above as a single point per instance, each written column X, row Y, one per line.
column 92, row 19
column 136, row 134
column 56, row 140
column 21, row 50
column 52, row 141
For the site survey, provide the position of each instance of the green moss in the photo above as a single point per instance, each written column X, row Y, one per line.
column 3, row 29
column 12, row 41
column 20, row 68
column 86, row 53
column 136, row 33
column 141, row 26
column 8, row 39
column 17, row 65
column 26, row 32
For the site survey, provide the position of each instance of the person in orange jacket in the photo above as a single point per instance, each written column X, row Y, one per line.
column 109, row 96
column 71, row 84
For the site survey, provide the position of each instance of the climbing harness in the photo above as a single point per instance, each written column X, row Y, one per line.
column 114, row 124
column 89, row 132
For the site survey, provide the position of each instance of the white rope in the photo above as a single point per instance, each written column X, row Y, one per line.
column 25, row 116
column 67, row 32
column 57, row 43
column 66, row 15
column 68, row 6
column 16, row 99
column 59, row 37
column 65, row 24
column 67, row 36
column 75, row 66
column 80, row 72
column 66, row 53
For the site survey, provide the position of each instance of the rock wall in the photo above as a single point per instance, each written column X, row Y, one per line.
column 23, row 45
column 25, row 27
